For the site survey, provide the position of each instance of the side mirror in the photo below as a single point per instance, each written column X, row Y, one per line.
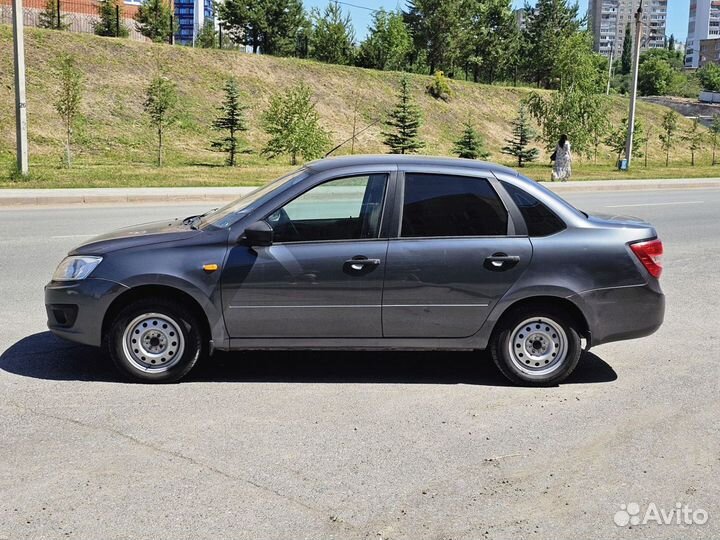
column 259, row 234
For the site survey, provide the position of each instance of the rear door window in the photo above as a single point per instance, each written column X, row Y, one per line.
column 451, row 205
column 540, row 220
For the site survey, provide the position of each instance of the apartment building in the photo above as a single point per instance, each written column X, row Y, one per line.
column 607, row 20
column 703, row 23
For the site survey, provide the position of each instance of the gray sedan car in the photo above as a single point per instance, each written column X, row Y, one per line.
column 367, row 252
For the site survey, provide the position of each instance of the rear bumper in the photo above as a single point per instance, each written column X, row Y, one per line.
column 620, row 313
column 75, row 310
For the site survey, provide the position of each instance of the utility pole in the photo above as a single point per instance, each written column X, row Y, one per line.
column 633, row 88
column 20, row 103
column 610, row 67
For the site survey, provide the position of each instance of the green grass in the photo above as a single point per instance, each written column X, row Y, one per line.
column 115, row 145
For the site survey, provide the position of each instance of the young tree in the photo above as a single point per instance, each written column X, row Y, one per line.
column 403, row 123
column 108, row 24
column 715, row 131
column 439, row 87
column 626, row 58
column 617, row 139
column 207, row 38
column 50, row 17
column 231, row 120
column 154, row 20
column 293, row 124
column 694, row 138
column 573, row 111
column 436, row 28
column 67, row 104
column 333, row 37
column 160, row 101
column 669, row 127
column 470, row 144
column 549, row 25
column 519, row 144
column 388, row 45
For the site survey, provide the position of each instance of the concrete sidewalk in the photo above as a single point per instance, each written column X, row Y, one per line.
column 124, row 196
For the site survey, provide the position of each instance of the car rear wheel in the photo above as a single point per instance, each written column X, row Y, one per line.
column 155, row 340
column 536, row 347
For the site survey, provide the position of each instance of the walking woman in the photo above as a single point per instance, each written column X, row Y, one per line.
column 562, row 158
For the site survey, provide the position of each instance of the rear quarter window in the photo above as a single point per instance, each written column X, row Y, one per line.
column 540, row 220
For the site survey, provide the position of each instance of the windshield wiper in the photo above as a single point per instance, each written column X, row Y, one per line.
column 193, row 221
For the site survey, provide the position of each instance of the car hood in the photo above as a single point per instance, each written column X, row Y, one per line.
column 136, row 235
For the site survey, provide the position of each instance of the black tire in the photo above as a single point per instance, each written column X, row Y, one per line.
column 178, row 330
column 542, row 367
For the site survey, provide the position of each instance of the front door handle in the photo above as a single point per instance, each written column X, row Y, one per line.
column 498, row 262
column 360, row 263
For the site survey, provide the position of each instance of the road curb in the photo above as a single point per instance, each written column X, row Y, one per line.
column 61, row 197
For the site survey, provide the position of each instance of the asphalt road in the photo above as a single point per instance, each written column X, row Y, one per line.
column 360, row 445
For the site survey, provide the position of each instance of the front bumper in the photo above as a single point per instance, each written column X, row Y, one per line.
column 76, row 309
column 620, row 313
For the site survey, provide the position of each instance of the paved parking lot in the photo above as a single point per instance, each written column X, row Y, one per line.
column 359, row 445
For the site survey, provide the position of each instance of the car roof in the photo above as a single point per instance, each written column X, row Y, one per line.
column 404, row 160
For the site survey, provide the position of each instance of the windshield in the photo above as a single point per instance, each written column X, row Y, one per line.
column 230, row 213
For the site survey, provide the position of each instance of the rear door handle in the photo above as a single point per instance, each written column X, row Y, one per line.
column 497, row 262
column 361, row 262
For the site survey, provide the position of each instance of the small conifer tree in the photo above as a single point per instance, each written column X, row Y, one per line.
column 231, row 120
column 470, row 144
column 519, row 145
column 403, row 123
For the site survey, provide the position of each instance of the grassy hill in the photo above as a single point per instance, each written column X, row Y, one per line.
column 115, row 144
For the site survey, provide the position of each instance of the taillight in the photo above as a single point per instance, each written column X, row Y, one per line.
column 650, row 254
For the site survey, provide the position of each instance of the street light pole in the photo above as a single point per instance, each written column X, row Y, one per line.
column 20, row 104
column 633, row 89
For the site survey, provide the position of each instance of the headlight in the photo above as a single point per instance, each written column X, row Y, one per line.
column 75, row 268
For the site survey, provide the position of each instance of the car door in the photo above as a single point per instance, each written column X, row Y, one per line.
column 455, row 255
column 323, row 274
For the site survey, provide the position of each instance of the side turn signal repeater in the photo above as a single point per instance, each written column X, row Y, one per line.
column 210, row 267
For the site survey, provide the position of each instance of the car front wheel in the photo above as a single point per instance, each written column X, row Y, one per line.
column 537, row 347
column 155, row 340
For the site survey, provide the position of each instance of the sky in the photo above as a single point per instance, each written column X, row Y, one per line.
column 361, row 13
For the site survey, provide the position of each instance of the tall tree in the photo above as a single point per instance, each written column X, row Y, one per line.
column 333, row 36
column 207, row 37
column 69, row 96
column 436, row 27
column 403, row 123
column 108, row 23
column 519, row 144
column 231, row 120
column 285, row 22
column 550, row 24
column 626, row 58
column 293, row 124
column 160, row 102
column 51, row 18
column 654, row 77
column 388, row 45
column 671, row 43
column 694, row 138
column 268, row 26
column 490, row 39
column 470, row 144
column 154, row 20
column 669, row 127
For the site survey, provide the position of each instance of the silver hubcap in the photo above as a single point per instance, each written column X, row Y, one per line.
column 538, row 346
column 153, row 342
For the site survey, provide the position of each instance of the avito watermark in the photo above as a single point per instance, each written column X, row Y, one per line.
column 680, row 514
